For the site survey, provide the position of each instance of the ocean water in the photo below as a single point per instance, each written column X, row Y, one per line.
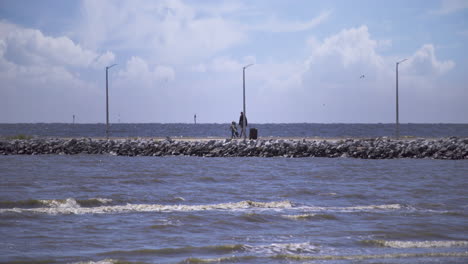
column 110, row 209
column 222, row 130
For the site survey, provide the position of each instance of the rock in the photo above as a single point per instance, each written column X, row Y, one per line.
column 371, row 148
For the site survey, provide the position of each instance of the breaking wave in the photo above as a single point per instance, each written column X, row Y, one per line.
column 71, row 206
column 282, row 248
column 245, row 259
column 382, row 207
column 270, row 249
column 70, row 202
column 311, row 216
column 101, row 206
column 417, row 244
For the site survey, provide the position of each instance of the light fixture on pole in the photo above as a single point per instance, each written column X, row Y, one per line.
column 107, row 100
column 397, row 114
column 245, row 114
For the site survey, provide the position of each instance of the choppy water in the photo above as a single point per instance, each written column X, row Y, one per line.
column 222, row 130
column 104, row 209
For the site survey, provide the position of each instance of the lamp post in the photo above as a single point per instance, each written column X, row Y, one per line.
column 245, row 114
column 107, row 100
column 397, row 114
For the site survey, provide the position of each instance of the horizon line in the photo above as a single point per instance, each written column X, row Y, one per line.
column 216, row 123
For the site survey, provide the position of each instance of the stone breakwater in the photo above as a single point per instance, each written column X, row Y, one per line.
column 371, row 148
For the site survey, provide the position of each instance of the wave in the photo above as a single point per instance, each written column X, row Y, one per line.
column 282, row 248
column 100, row 206
column 417, row 244
column 104, row 261
column 270, row 249
column 311, row 216
column 70, row 202
column 374, row 208
column 71, row 206
column 287, row 251
column 218, row 249
column 242, row 259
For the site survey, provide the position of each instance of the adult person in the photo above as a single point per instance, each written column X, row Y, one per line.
column 234, row 133
column 241, row 123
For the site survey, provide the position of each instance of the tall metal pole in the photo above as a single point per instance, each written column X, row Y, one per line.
column 245, row 113
column 243, row 119
column 107, row 105
column 107, row 100
column 397, row 112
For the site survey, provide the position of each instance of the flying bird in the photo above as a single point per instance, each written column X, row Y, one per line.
column 362, row 76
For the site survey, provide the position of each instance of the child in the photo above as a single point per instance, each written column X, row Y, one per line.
column 234, row 133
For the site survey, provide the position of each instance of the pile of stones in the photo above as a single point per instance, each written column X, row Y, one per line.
column 366, row 148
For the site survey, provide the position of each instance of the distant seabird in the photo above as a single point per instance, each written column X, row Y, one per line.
column 362, row 76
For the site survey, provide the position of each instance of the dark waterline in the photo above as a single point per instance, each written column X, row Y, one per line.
column 222, row 130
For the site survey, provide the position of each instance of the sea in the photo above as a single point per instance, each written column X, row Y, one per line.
column 296, row 130
column 102, row 209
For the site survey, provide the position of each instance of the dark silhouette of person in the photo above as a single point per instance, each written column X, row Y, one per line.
column 241, row 123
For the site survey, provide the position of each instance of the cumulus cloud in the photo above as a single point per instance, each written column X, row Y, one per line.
column 24, row 46
column 171, row 31
column 424, row 62
column 333, row 90
column 350, row 45
column 41, row 78
column 354, row 47
column 137, row 70
column 183, row 58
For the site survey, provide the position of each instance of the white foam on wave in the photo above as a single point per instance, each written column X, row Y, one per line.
column 382, row 207
column 420, row 244
column 70, row 202
column 70, row 206
column 298, row 217
column 67, row 203
column 282, row 248
column 105, row 261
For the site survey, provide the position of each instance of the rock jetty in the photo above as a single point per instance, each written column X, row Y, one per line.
column 365, row 148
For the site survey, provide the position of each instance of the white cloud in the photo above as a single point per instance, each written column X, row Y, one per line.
column 424, row 62
column 137, row 70
column 350, row 45
column 355, row 47
column 41, row 76
column 275, row 25
column 25, row 46
column 170, row 31
column 174, row 32
column 187, row 58
column 333, row 90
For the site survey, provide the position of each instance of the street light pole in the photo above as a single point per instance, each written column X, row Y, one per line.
column 397, row 113
column 245, row 114
column 107, row 100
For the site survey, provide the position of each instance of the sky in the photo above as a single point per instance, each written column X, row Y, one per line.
column 179, row 58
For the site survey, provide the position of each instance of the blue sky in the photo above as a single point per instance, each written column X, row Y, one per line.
column 180, row 58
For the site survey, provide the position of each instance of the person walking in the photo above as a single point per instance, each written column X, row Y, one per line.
column 241, row 123
column 234, row 133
